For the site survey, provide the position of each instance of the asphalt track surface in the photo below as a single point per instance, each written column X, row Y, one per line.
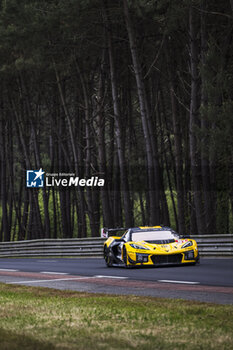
column 211, row 281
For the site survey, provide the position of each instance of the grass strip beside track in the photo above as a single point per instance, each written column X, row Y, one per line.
column 45, row 319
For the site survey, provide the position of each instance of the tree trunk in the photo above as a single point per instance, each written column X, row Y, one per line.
column 193, row 123
column 178, row 161
column 152, row 162
column 104, row 191
column 3, row 167
column 209, row 202
column 119, row 138
column 90, row 192
column 81, row 198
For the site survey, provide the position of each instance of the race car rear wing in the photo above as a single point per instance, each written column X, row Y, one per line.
column 106, row 232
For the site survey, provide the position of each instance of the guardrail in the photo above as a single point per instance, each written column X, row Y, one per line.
column 215, row 245
column 82, row 247
column 209, row 246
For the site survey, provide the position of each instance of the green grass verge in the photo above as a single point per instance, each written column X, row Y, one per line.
column 47, row 319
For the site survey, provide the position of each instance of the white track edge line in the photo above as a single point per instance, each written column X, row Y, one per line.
column 54, row 273
column 105, row 276
column 180, row 282
column 51, row 280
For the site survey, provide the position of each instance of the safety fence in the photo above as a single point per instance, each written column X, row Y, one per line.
column 215, row 245
column 209, row 246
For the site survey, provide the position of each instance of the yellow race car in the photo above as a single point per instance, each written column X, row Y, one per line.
column 144, row 246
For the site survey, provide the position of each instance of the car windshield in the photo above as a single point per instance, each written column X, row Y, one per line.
column 154, row 236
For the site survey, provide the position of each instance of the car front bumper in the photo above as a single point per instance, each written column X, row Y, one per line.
column 136, row 258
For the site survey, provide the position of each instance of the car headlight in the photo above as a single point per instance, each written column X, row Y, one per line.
column 187, row 244
column 137, row 246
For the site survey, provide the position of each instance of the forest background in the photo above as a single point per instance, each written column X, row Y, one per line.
column 136, row 92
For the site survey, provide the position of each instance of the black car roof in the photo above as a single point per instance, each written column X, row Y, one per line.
column 150, row 228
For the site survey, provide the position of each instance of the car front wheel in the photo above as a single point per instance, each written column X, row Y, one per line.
column 197, row 260
column 125, row 257
column 107, row 257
